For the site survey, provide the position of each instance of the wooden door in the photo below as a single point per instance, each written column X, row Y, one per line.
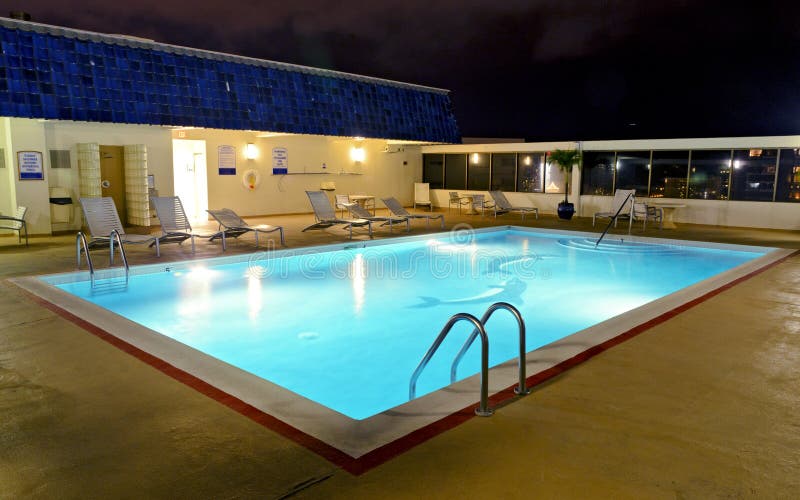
column 112, row 178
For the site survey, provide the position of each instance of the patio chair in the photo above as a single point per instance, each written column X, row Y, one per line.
column 503, row 206
column 457, row 200
column 16, row 223
column 621, row 197
column 396, row 208
column 422, row 195
column 175, row 226
column 100, row 215
column 362, row 213
column 325, row 215
column 645, row 212
column 233, row 226
column 478, row 203
column 341, row 202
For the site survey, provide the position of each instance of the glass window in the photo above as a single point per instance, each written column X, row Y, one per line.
column 433, row 170
column 455, row 171
column 504, row 167
column 789, row 176
column 633, row 171
column 598, row 172
column 553, row 178
column 478, row 171
column 709, row 174
column 669, row 173
column 753, row 174
column 530, row 173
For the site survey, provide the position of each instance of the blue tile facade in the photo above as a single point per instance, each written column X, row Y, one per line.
column 46, row 74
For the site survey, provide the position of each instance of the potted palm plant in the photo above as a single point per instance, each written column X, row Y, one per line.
column 564, row 159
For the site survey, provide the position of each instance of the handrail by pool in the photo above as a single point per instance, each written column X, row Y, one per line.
column 614, row 219
column 483, row 409
column 80, row 242
column 520, row 389
column 115, row 235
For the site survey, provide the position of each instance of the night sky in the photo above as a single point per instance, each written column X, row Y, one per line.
column 539, row 70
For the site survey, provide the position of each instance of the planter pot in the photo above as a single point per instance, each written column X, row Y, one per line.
column 566, row 210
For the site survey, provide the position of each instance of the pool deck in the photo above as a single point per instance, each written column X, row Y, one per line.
column 704, row 404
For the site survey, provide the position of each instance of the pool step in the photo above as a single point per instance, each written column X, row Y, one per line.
column 617, row 246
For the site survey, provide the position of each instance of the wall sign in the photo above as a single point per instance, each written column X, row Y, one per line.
column 226, row 157
column 30, row 164
column 280, row 161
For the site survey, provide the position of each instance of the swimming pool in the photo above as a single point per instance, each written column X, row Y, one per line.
column 344, row 326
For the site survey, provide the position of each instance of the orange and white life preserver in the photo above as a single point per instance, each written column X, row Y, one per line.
column 251, row 179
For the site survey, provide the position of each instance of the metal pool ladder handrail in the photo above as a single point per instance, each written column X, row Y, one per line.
column 115, row 235
column 614, row 219
column 520, row 389
column 483, row 409
column 80, row 242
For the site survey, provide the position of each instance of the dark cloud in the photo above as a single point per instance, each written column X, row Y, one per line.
column 559, row 69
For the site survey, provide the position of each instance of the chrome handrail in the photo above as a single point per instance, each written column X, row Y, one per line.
column 483, row 409
column 614, row 219
column 520, row 389
column 80, row 242
column 115, row 235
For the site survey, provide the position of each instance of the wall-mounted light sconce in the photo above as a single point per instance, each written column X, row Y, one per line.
column 527, row 161
column 357, row 154
column 250, row 151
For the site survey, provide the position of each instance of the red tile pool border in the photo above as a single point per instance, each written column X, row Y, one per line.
column 390, row 450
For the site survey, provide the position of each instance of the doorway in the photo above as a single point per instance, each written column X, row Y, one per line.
column 112, row 178
column 189, row 171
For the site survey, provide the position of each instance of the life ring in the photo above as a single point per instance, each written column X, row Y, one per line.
column 251, row 179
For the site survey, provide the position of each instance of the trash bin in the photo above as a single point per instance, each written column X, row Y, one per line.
column 60, row 205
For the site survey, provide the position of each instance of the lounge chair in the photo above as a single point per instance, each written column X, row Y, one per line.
column 396, row 208
column 326, row 217
column 233, row 226
column 422, row 195
column 362, row 213
column 503, row 206
column 621, row 197
column 100, row 215
column 16, row 223
column 175, row 226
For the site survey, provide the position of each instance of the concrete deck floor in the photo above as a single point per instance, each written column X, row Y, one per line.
column 704, row 405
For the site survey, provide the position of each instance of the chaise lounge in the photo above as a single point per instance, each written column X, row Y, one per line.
column 100, row 215
column 397, row 209
column 233, row 226
column 326, row 217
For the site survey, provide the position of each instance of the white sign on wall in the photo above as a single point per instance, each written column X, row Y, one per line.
column 226, row 157
column 31, row 167
column 280, row 161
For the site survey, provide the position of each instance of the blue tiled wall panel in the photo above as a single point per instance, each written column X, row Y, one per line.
column 44, row 75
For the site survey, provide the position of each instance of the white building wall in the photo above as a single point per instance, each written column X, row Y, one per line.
column 381, row 174
column 28, row 135
column 8, row 195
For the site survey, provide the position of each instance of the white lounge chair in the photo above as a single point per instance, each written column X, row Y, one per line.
column 326, row 216
column 396, row 208
column 175, row 226
column 16, row 223
column 503, row 206
column 362, row 213
column 233, row 226
column 621, row 197
column 100, row 215
column 422, row 195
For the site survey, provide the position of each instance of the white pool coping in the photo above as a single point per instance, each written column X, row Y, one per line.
column 358, row 437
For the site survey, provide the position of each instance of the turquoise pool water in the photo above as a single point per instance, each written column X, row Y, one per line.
column 347, row 328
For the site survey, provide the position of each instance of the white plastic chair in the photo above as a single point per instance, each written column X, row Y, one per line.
column 422, row 195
